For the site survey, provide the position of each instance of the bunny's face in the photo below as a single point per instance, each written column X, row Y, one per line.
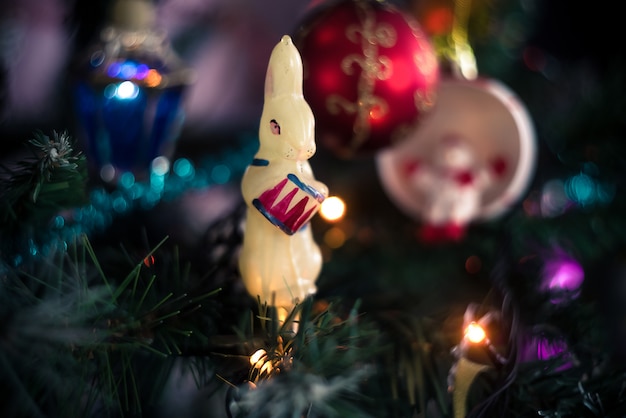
column 287, row 129
column 287, row 124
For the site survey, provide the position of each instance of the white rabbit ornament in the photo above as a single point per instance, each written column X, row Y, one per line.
column 279, row 261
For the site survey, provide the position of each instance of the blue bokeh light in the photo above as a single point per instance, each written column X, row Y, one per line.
column 97, row 58
column 220, row 174
column 183, row 168
column 114, row 69
column 128, row 70
column 119, row 203
column 127, row 180
column 581, row 189
column 132, row 193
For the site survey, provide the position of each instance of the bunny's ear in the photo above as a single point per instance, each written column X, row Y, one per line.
column 284, row 71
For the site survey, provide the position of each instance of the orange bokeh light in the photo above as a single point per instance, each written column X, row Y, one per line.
column 475, row 333
column 153, row 78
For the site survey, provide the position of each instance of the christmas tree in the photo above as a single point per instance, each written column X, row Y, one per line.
column 123, row 291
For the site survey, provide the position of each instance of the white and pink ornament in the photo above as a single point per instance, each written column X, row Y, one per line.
column 471, row 159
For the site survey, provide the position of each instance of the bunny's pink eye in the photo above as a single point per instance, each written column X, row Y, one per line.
column 275, row 127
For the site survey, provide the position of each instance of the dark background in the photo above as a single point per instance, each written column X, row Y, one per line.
column 228, row 42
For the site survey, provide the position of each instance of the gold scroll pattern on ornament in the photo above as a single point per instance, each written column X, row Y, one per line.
column 373, row 67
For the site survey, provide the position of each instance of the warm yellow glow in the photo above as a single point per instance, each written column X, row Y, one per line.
column 475, row 333
column 333, row 208
column 256, row 357
column 282, row 314
column 267, row 368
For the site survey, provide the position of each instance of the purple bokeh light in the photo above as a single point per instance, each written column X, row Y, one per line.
column 542, row 347
column 547, row 349
column 563, row 278
column 114, row 69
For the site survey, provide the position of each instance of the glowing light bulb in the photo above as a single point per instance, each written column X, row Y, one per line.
column 475, row 333
column 333, row 208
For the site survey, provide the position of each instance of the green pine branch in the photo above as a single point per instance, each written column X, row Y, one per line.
column 78, row 340
column 51, row 178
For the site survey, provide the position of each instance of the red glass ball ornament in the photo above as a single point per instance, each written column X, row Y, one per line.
column 370, row 74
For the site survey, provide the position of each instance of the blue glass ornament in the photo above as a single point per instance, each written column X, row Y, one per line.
column 129, row 94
